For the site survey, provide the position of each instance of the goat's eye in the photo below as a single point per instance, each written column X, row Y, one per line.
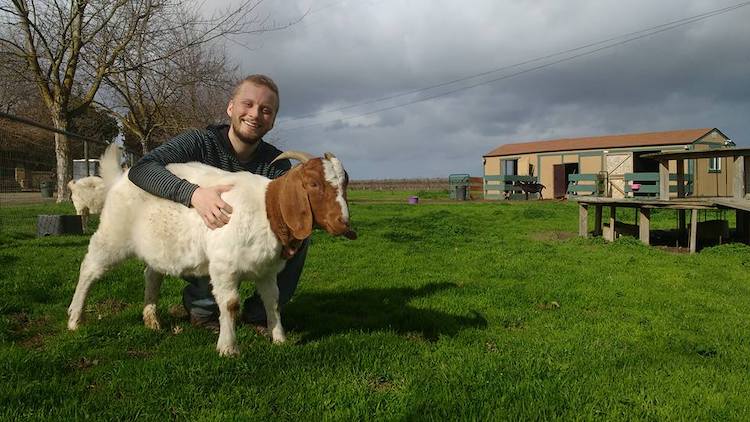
column 313, row 185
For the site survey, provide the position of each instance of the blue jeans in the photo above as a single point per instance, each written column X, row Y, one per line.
column 199, row 301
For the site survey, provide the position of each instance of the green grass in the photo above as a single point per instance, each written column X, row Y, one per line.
column 475, row 311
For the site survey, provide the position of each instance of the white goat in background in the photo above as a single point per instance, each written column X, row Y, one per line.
column 88, row 193
column 270, row 219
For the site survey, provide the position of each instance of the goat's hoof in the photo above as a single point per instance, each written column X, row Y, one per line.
column 279, row 339
column 152, row 324
column 73, row 324
column 228, row 351
column 150, row 320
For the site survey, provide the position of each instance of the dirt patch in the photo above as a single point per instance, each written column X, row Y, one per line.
column 84, row 363
column 552, row 236
column 139, row 354
column 381, row 383
column 548, row 306
column 29, row 331
column 22, row 198
column 674, row 249
column 107, row 307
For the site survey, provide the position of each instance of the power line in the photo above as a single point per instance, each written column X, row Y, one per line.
column 625, row 38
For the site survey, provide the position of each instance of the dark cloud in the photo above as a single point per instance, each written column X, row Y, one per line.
column 352, row 52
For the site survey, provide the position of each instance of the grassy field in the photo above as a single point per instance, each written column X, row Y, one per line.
column 440, row 311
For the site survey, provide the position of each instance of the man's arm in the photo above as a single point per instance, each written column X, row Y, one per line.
column 150, row 172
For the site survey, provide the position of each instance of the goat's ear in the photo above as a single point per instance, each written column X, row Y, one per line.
column 295, row 206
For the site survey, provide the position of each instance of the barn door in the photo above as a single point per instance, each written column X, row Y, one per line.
column 616, row 166
column 559, row 180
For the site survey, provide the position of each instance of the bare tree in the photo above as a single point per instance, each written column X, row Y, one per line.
column 175, row 75
column 157, row 100
column 70, row 46
column 54, row 38
column 17, row 93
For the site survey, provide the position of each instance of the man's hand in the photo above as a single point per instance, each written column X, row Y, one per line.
column 207, row 201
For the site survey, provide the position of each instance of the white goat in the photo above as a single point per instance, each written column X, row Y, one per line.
column 270, row 219
column 88, row 193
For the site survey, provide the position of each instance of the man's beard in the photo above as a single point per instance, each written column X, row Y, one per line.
column 244, row 138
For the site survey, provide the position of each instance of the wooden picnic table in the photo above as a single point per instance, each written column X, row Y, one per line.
column 643, row 208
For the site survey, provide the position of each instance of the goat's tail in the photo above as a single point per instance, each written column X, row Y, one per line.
column 109, row 164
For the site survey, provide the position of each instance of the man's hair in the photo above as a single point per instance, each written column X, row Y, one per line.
column 261, row 80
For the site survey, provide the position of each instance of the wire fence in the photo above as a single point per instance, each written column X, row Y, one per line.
column 28, row 160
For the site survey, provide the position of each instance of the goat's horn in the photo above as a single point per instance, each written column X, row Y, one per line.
column 329, row 155
column 300, row 156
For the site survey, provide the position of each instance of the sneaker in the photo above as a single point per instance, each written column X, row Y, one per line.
column 201, row 320
column 260, row 327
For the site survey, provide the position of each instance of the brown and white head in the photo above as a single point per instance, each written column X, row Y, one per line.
column 313, row 193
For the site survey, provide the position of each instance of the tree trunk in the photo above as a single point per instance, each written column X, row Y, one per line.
column 144, row 144
column 62, row 155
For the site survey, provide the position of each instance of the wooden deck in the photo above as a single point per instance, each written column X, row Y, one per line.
column 644, row 207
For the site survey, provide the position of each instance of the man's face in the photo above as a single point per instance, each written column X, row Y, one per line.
column 252, row 112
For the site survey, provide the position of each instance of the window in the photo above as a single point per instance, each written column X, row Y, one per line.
column 510, row 167
column 714, row 165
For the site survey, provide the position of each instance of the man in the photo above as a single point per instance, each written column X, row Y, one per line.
column 239, row 146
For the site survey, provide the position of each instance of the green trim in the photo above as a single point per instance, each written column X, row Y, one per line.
column 644, row 189
column 582, row 188
column 591, row 177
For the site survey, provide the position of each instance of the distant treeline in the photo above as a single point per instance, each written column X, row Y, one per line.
column 400, row 184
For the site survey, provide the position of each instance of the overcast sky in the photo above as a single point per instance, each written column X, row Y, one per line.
column 343, row 68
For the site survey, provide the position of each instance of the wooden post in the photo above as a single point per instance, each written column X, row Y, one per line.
column 739, row 177
column 644, row 224
column 664, row 180
column 583, row 220
column 743, row 226
column 598, row 221
column 680, row 178
column 612, row 223
column 740, row 223
column 681, row 224
column 693, row 230
column 86, row 157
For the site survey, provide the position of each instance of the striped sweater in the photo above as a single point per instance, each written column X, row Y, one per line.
column 209, row 146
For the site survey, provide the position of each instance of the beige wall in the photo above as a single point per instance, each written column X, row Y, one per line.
column 713, row 138
column 492, row 166
column 570, row 158
column 590, row 164
column 546, row 165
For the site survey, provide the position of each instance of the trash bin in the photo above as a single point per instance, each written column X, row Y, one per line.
column 47, row 188
column 460, row 193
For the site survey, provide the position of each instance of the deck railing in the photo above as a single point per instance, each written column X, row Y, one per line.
column 647, row 184
column 639, row 184
column 591, row 184
column 503, row 184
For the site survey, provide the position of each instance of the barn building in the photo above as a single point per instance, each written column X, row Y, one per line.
column 611, row 166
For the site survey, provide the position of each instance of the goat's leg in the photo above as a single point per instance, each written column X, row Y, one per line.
column 98, row 260
column 153, row 281
column 269, row 294
column 84, row 219
column 228, row 298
